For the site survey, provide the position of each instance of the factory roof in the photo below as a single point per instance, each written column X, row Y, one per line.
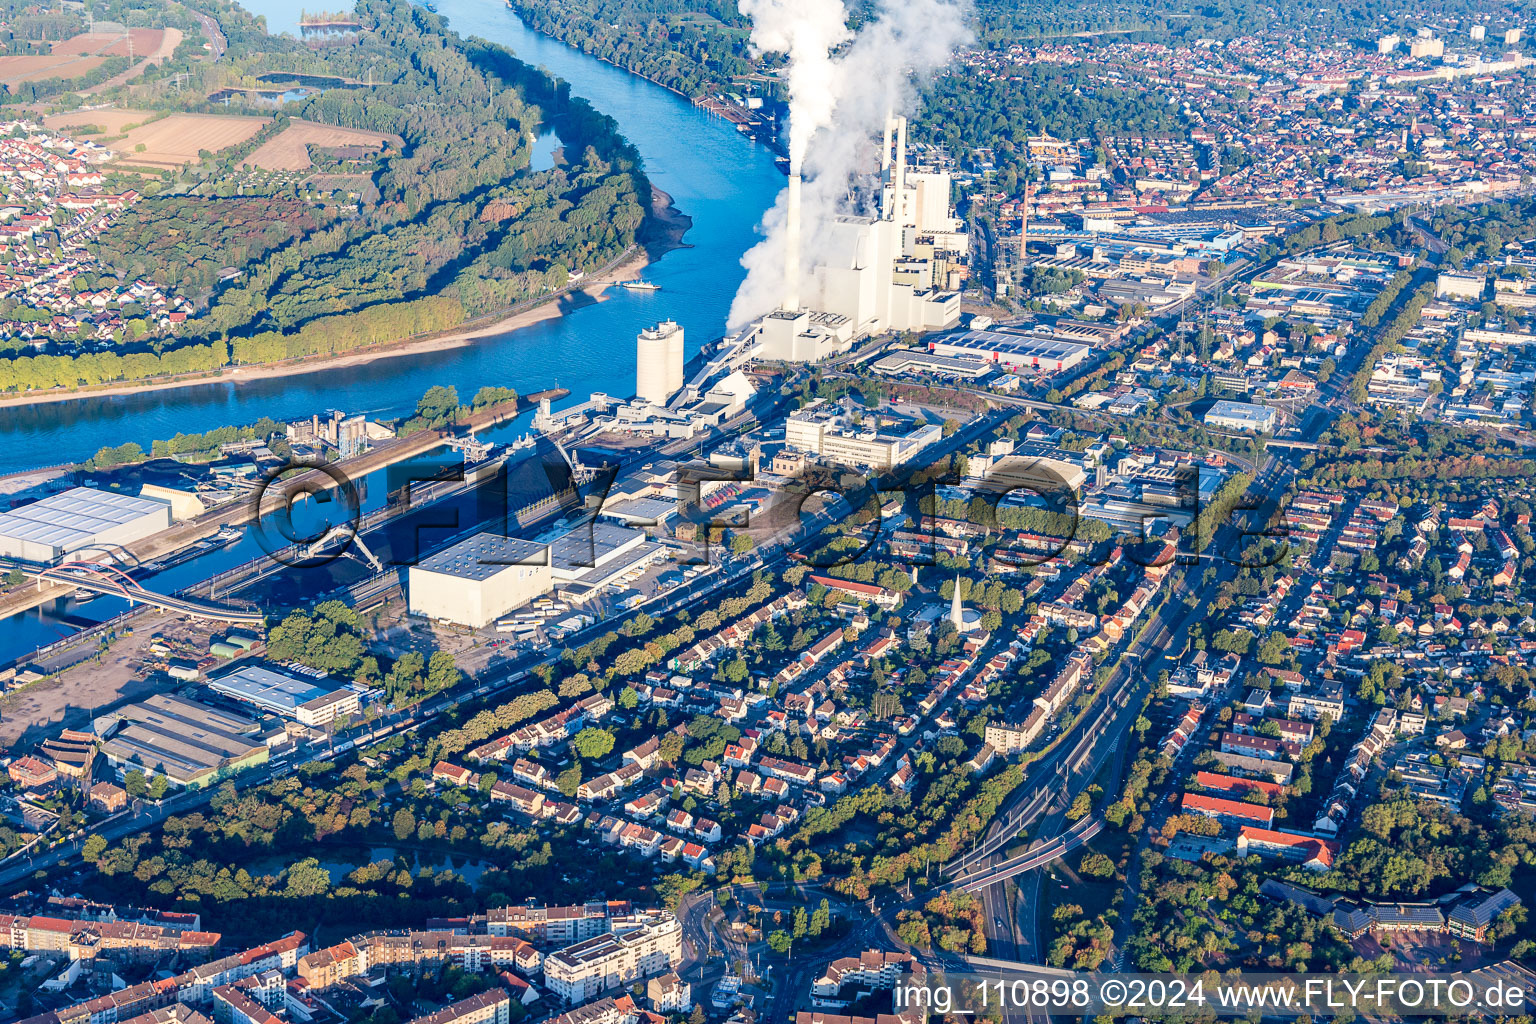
column 1042, row 346
column 589, row 546
column 72, row 518
column 1244, row 411
column 901, row 362
column 272, row 690
column 641, row 510
column 483, row 556
column 180, row 737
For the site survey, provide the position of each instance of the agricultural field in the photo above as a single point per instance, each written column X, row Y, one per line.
column 114, row 44
column 289, row 151
column 111, row 121
column 15, row 70
column 176, row 140
column 168, row 142
column 81, row 54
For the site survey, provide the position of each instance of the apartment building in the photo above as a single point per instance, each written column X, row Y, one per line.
column 589, row 968
column 1315, row 705
column 621, row 1010
column 555, row 926
column 849, row 977
column 156, row 1002
column 233, row 1006
column 85, row 939
column 327, row 967
column 669, row 994
column 493, row 1006
column 1007, row 738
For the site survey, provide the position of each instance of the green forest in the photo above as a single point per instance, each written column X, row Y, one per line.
column 691, row 46
column 967, row 109
column 461, row 226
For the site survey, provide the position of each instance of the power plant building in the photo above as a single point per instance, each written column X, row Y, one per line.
column 659, row 363
column 872, row 273
column 82, row 519
column 478, row 580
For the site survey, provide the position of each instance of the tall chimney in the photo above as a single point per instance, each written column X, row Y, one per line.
column 885, row 150
column 899, row 181
column 1024, row 235
column 792, row 244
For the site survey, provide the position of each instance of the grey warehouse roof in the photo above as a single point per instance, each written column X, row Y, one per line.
column 72, row 518
column 270, row 689
column 484, row 555
column 1028, row 345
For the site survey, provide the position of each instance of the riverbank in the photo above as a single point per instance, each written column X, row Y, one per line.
column 661, row 233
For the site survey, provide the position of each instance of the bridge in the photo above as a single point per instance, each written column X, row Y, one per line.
column 352, row 544
column 113, row 582
column 979, row 878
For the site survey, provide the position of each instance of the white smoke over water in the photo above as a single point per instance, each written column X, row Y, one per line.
column 807, row 31
column 839, row 97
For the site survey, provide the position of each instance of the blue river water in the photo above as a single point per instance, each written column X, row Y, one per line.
column 715, row 175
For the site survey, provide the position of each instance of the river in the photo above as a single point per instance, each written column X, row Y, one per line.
column 718, row 177
column 715, row 175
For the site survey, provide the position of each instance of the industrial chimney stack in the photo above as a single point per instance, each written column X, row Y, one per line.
column 792, row 244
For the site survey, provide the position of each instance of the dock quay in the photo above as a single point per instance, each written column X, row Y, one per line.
column 294, row 487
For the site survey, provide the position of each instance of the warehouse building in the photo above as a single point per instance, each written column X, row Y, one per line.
column 184, row 504
column 81, row 520
column 913, row 362
column 598, row 554
column 311, row 702
column 1230, row 415
column 191, row 744
column 1029, row 352
column 477, row 581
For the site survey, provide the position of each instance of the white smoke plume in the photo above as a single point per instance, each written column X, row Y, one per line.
column 807, row 31
column 838, row 104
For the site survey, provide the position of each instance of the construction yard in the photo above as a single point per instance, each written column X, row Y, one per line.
column 122, row 670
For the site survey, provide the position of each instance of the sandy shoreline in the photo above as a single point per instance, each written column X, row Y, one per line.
column 665, row 235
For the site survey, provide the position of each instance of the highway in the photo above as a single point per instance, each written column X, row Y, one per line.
column 1037, row 856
